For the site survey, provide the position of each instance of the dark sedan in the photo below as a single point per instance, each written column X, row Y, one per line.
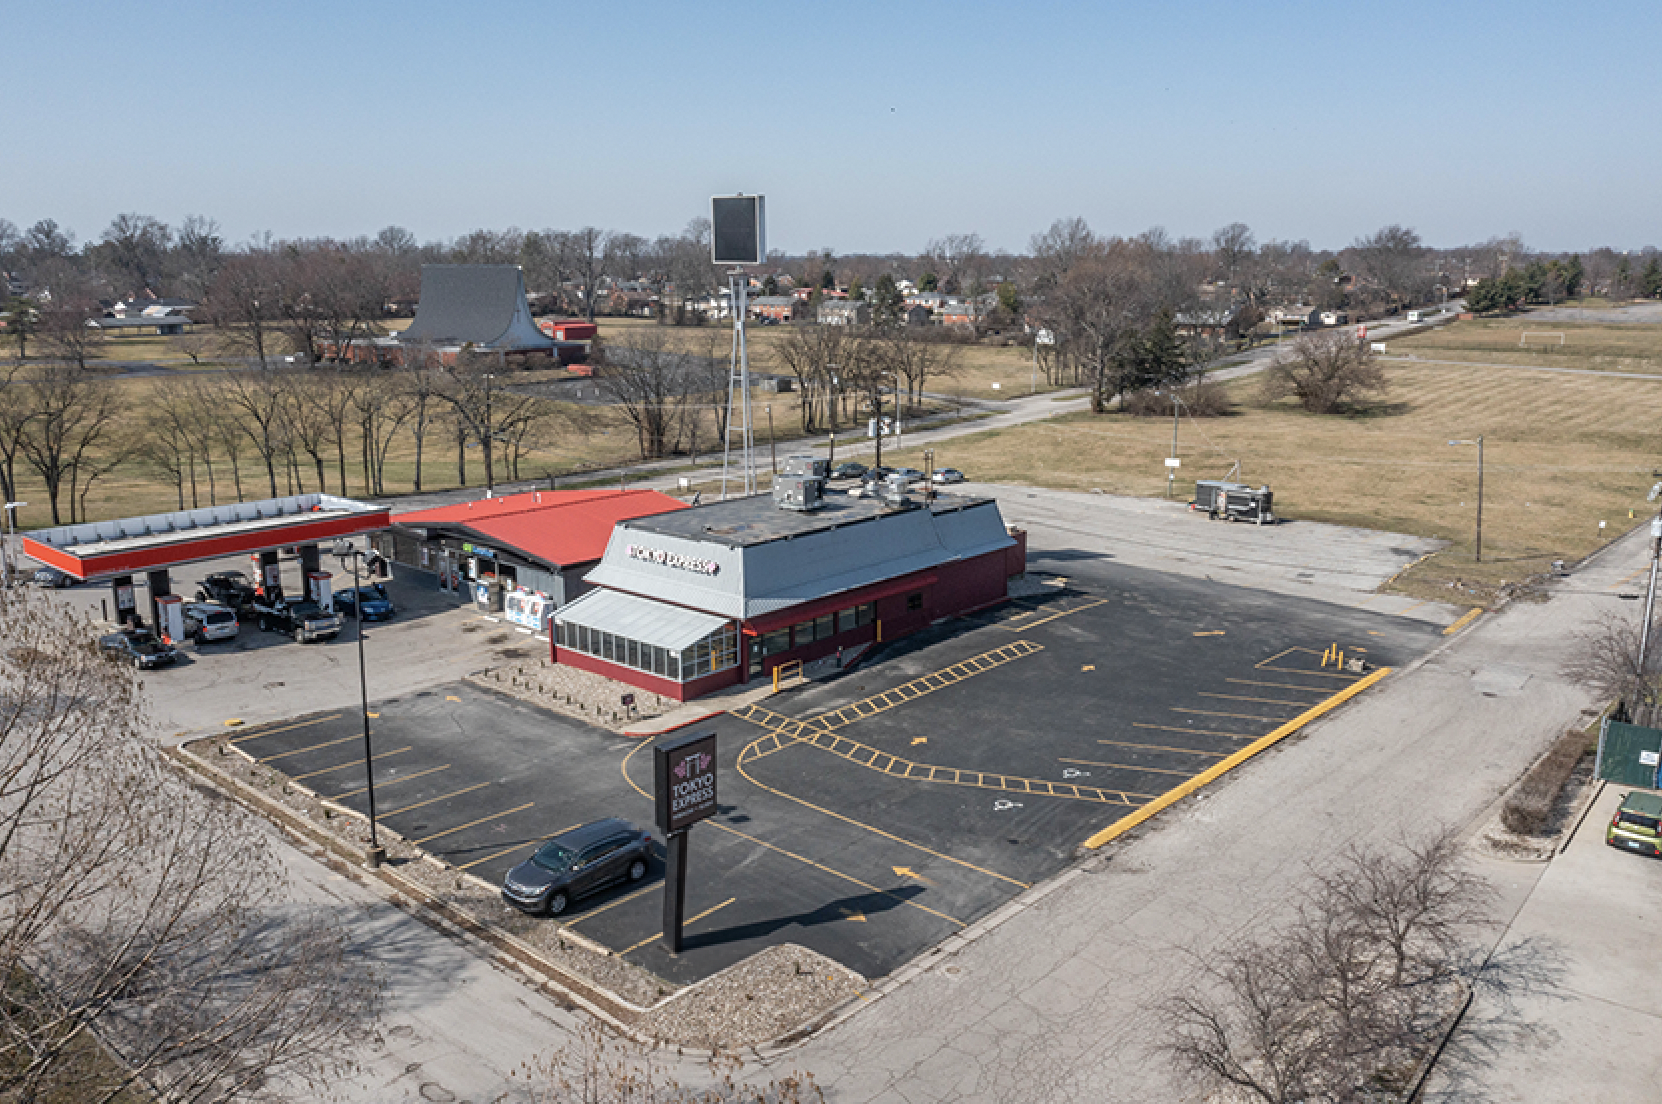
column 576, row 863
column 372, row 599
column 850, row 469
column 140, row 647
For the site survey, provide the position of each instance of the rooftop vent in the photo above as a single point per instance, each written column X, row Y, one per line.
column 798, row 492
column 808, row 465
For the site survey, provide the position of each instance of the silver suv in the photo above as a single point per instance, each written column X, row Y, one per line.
column 205, row 621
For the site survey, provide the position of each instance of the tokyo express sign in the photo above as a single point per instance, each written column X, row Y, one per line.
column 672, row 559
column 684, row 772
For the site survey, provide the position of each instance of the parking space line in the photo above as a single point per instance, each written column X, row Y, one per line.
column 431, row 800
column 1465, row 619
column 834, row 873
column 1310, row 674
column 474, row 823
column 514, row 847
column 1158, row 747
column 314, row 747
column 392, row 781
column 592, row 913
column 1195, row 731
column 1619, row 583
column 1214, row 713
column 1058, row 614
column 689, row 922
column 1240, row 697
column 878, row 831
column 1280, row 685
column 284, row 728
column 343, row 766
column 1405, row 609
column 1126, row 766
column 1222, row 767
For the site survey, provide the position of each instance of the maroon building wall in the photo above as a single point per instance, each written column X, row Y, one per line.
column 669, row 688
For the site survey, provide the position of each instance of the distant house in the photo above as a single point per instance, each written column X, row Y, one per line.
column 917, row 316
column 957, row 313
column 845, row 312
column 777, row 308
column 1335, row 318
column 150, row 306
column 934, row 300
column 163, row 323
column 1212, row 321
column 1298, row 316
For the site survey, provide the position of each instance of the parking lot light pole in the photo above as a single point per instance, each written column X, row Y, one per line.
column 8, row 536
column 1479, row 443
column 345, row 551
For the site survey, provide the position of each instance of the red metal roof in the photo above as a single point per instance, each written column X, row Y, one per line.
column 557, row 527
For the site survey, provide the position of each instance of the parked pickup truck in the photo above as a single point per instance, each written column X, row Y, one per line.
column 306, row 621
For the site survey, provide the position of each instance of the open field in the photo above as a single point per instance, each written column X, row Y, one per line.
column 1587, row 345
column 1562, row 453
column 979, row 366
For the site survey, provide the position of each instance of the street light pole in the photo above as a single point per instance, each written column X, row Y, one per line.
column 377, row 855
column 1479, row 443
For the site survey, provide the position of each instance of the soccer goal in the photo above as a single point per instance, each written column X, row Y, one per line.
column 1540, row 338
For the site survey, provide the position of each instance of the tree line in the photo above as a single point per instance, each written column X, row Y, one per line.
column 331, row 428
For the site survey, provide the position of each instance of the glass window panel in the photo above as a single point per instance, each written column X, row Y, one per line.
column 803, row 633
column 633, row 653
column 825, row 626
column 672, row 668
column 864, row 615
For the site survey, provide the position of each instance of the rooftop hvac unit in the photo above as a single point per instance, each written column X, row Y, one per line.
column 894, row 490
column 798, row 492
column 808, row 465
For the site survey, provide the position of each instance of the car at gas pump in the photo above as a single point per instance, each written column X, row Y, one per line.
column 140, row 647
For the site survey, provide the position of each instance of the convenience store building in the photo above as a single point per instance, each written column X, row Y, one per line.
column 689, row 602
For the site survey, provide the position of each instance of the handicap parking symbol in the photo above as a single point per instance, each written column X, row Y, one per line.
column 1001, row 805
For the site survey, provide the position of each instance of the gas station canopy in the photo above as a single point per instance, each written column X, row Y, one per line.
column 106, row 549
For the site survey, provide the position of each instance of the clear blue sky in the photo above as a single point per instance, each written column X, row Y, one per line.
column 869, row 127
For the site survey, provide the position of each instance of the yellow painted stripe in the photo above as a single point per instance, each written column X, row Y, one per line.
column 431, row 800
column 1240, row 697
column 1466, row 619
column 1215, row 713
column 1125, row 767
column 474, row 823
column 1218, row 770
column 348, row 763
column 687, row 923
column 314, row 747
column 385, row 782
column 286, row 728
column 506, row 850
column 1195, row 731
column 1161, row 747
column 1278, row 685
column 592, row 913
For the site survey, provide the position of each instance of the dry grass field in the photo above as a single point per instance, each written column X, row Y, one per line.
column 978, row 368
column 1561, row 453
column 1586, row 345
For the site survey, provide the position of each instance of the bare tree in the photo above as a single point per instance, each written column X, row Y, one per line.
column 1606, row 661
column 137, row 248
column 588, row 261
column 69, row 413
column 420, row 373
column 146, row 945
column 649, row 379
column 64, row 333
column 1325, row 372
column 1344, row 1001
column 257, row 401
column 1233, row 246
column 1393, row 260
column 244, row 302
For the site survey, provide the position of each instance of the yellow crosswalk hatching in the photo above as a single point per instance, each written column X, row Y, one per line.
column 821, row 731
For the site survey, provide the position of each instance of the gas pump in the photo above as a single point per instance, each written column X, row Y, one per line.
column 319, row 587
column 170, row 617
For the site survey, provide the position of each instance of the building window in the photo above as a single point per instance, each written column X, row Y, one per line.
column 716, row 652
column 825, row 627
column 802, row 634
column 914, row 601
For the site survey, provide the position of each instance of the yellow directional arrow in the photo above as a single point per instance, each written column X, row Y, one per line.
column 916, row 740
column 451, row 697
column 1088, row 667
column 908, row 872
column 857, row 917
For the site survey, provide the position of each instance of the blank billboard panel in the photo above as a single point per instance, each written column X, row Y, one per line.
column 737, row 230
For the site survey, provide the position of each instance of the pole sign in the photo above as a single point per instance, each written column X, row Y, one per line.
column 685, row 774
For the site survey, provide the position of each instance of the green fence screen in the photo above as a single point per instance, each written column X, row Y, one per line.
column 1629, row 754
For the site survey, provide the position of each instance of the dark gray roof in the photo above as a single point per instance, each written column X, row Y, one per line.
column 479, row 304
column 747, row 522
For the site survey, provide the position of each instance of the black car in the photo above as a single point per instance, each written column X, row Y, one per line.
column 227, row 588
column 306, row 621
column 877, row 474
column 140, row 647
column 53, row 579
column 848, row 470
column 576, row 863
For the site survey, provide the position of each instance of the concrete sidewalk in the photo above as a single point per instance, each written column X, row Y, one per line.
column 1594, row 920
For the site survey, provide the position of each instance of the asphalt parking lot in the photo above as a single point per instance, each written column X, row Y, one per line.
column 872, row 815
